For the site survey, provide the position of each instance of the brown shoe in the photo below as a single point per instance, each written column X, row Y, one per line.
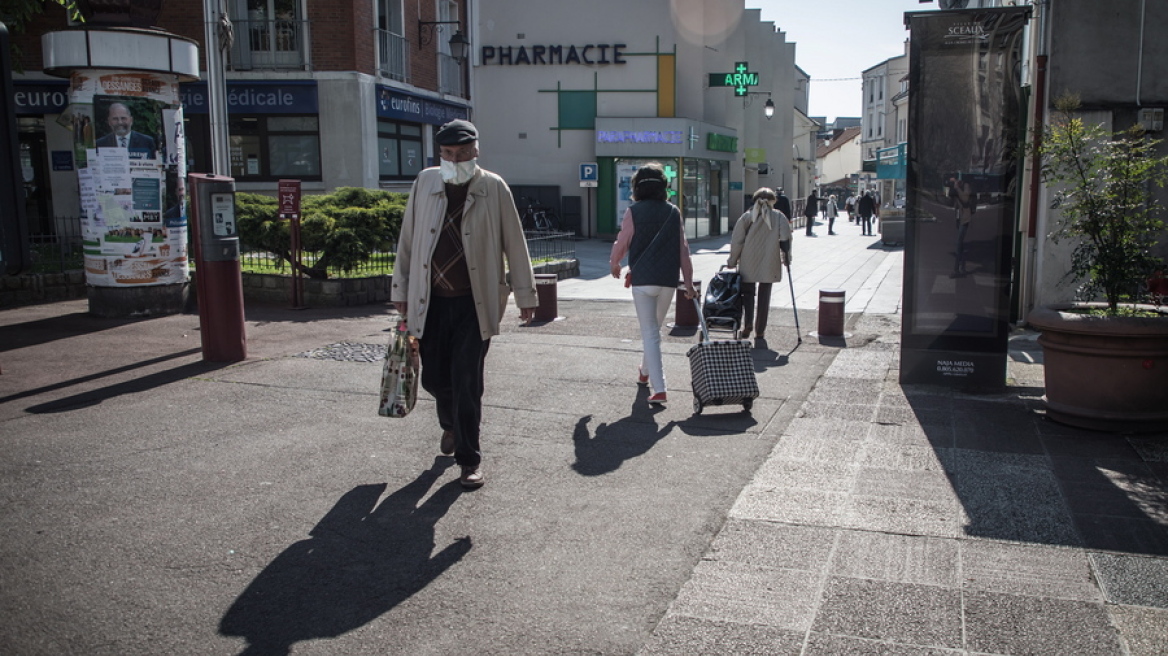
column 447, row 443
column 472, row 477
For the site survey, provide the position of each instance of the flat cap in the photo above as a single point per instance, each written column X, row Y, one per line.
column 456, row 133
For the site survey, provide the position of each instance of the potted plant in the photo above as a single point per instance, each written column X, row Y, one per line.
column 1105, row 363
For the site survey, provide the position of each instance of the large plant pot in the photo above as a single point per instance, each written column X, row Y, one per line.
column 1104, row 373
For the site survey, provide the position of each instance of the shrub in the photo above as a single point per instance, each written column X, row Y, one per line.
column 346, row 227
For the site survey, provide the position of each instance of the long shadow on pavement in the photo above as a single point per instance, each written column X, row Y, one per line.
column 96, row 396
column 42, row 331
column 362, row 559
column 605, row 448
column 1021, row 477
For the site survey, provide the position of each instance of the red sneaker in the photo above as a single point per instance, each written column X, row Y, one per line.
column 657, row 399
column 642, row 377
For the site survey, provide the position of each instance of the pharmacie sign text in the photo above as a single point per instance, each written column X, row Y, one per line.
column 604, row 53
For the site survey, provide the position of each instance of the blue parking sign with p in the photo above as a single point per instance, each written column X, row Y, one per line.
column 589, row 174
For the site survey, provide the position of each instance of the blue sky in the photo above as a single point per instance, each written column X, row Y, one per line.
column 839, row 39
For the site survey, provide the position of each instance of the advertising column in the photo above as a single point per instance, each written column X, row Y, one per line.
column 131, row 166
column 964, row 117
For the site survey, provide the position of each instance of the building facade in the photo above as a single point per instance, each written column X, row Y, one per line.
column 883, row 127
column 558, row 92
column 335, row 94
column 349, row 93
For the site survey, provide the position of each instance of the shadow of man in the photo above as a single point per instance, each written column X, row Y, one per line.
column 362, row 560
column 604, row 450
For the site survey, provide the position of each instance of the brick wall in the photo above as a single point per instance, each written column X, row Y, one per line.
column 41, row 288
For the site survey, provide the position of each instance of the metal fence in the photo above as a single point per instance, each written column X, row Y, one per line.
column 257, row 261
column 57, row 251
column 61, row 250
column 549, row 246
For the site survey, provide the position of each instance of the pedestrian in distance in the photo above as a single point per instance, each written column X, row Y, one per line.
column 832, row 212
column 867, row 208
column 811, row 210
column 783, row 204
column 759, row 248
column 460, row 236
column 850, row 207
column 653, row 238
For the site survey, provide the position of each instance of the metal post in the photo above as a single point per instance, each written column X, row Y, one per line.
column 217, row 37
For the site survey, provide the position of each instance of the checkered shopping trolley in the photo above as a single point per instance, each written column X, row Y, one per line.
column 722, row 371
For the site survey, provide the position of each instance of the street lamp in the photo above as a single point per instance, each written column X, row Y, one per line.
column 768, row 110
column 459, row 44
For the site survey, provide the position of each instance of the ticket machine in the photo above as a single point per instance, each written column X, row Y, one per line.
column 218, row 280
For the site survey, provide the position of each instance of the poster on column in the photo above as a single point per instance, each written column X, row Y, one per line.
column 128, row 128
column 965, row 109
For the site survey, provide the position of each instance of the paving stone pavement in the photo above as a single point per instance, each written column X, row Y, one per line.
column 154, row 503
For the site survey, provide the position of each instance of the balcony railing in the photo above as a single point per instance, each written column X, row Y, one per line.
column 393, row 56
column 450, row 76
column 270, row 45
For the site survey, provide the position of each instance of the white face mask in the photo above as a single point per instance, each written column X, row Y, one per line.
column 458, row 173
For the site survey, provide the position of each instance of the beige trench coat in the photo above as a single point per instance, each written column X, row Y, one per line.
column 754, row 248
column 491, row 230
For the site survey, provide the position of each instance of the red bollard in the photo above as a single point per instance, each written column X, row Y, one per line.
column 547, row 292
column 684, row 314
column 831, row 313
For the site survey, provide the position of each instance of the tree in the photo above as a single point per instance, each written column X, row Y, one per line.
column 1102, row 186
column 17, row 14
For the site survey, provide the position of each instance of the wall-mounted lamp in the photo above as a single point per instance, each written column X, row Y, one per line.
column 768, row 110
column 459, row 44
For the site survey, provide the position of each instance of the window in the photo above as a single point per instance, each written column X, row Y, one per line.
column 393, row 48
column 449, row 69
column 399, row 150
column 273, row 147
column 268, row 34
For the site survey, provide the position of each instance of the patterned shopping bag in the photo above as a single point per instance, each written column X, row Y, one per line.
column 399, row 376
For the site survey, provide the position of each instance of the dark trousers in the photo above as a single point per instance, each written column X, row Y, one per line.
column 749, row 321
column 810, row 223
column 866, row 223
column 453, row 354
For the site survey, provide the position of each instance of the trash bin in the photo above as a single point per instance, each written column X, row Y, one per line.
column 546, row 290
column 684, row 313
column 831, row 313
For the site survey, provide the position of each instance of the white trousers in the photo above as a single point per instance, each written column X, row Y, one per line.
column 652, row 304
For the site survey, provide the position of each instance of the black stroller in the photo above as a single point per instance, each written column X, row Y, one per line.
column 722, row 309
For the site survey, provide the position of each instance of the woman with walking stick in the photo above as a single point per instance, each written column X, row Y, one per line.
column 759, row 247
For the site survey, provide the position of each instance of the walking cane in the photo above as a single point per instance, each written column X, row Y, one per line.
column 798, row 332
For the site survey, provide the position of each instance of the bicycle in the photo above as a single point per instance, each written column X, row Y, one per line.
column 537, row 218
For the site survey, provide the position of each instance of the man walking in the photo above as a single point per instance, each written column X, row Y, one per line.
column 783, row 204
column 449, row 281
column 811, row 211
column 867, row 207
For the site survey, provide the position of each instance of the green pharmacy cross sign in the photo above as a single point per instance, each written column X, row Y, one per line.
column 740, row 79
